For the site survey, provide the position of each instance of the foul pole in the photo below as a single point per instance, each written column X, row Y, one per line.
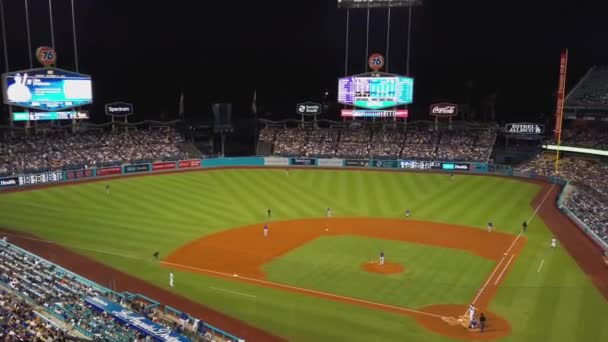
column 559, row 109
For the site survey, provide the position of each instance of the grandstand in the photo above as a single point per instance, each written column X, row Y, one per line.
column 417, row 141
column 49, row 301
column 589, row 98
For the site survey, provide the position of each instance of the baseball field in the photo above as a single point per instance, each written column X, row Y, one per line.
column 315, row 278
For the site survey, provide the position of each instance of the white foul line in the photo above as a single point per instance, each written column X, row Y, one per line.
column 504, row 269
column 233, row 292
column 512, row 245
column 304, row 290
column 541, row 265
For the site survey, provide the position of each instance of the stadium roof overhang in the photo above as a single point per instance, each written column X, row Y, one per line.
column 347, row 4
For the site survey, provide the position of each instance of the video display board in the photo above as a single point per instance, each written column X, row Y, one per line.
column 38, row 116
column 375, row 92
column 47, row 89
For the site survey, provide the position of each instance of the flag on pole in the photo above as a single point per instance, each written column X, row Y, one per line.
column 181, row 104
column 254, row 104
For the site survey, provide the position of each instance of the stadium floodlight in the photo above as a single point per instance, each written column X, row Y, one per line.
column 377, row 3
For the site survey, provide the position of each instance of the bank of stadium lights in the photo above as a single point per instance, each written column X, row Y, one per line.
column 377, row 3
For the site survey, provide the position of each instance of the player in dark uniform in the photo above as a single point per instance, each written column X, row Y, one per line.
column 269, row 213
column 524, row 226
column 155, row 255
column 107, row 188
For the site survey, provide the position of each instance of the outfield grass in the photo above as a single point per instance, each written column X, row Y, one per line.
column 163, row 212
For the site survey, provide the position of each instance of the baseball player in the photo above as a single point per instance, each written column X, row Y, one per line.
column 287, row 172
column 269, row 213
column 490, row 226
column 471, row 312
column 266, row 230
column 524, row 226
column 155, row 255
column 328, row 212
column 553, row 242
column 451, row 176
column 171, row 279
column 407, row 213
column 381, row 257
column 108, row 189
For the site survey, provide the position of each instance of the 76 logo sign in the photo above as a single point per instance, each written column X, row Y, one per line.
column 376, row 61
column 46, row 55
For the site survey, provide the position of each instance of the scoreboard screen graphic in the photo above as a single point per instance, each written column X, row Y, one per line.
column 47, row 89
column 375, row 92
column 51, row 116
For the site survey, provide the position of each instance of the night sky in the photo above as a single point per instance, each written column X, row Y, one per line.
column 146, row 52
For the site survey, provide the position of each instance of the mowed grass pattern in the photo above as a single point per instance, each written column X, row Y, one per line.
column 162, row 212
column 333, row 264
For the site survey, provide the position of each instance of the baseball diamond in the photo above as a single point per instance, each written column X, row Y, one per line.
column 208, row 228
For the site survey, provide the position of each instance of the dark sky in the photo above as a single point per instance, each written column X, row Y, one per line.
column 146, row 52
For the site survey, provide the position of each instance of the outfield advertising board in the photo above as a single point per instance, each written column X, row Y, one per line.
column 137, row 168
column 303, row 161
column 387, row 164
column 76, row 174
column 9, row 181
column 276, row 161
column 41, row 178
column 164, row 166
column 455, row 166
column 186, row 164
column 106, row 171
column 330, row 162
column 356, row 162
column 419, row 165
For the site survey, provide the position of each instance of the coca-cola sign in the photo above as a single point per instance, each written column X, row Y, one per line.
column 444, row 109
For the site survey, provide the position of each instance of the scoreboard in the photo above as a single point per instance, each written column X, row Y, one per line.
column 39, row 116
column 375, row 92
column 46, row 89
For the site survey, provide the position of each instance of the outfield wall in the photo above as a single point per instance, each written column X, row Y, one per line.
column 299, row 162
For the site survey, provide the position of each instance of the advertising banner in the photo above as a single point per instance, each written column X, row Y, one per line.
column 388, row 164
column 443, row 109
column 106, row 171
column 303, row 161
column 137, row 168
column 330, row 162
column 356, row 162
column 76, row 174
column 163, row 166
column 524, row 128
column 185, row 164
column 419, row 165
column 41, row 178
column 276, row 161
column 135, row 320
column 455, row 166
column 8, row 182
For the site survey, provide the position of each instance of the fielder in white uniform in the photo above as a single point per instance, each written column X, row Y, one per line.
column 553, row 242
column 171, row 279
column 328, row 212
column 265, row 230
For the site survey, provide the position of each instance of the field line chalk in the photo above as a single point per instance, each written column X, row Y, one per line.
column 304, row 290
column 233, row 292
column 541, row 265
column 504, row 269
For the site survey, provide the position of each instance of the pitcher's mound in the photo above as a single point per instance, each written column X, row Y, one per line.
column 387, row 268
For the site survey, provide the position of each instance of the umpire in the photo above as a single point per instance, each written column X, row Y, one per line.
column 482, row 322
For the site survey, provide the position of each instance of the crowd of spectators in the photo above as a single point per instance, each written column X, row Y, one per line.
column 594, row 138
column 593, row 89
column 457, row 145
column 67, row 150
column 589, row 199
column 33, row 283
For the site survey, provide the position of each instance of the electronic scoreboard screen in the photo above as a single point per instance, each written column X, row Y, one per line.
column 51, row 116
column 48, row 89
column 375, row 92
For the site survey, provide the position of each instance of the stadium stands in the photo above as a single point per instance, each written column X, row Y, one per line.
column 74, row 151
column 415, row 143
column 588, row 201
column 32, row 282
